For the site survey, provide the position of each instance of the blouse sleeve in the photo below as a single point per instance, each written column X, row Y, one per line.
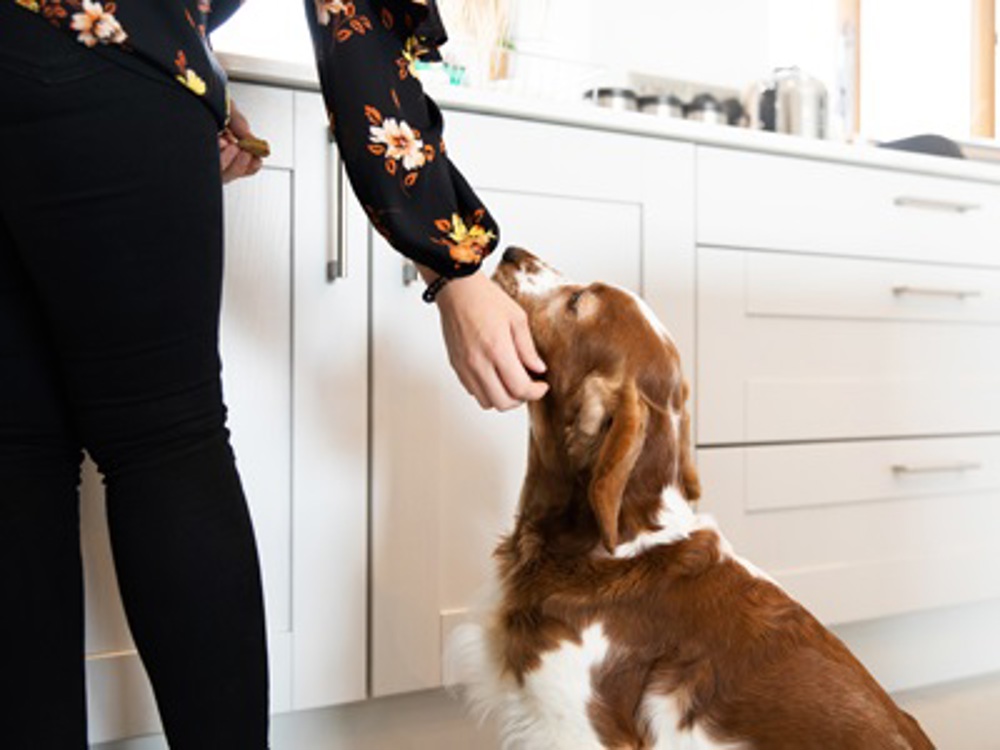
column 390, row 135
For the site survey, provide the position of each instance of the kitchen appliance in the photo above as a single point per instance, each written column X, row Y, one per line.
column 706, row 108
column 789, row 101
column 613, row 98
column 662, row 105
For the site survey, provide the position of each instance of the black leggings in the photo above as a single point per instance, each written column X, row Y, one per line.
column 110, row 279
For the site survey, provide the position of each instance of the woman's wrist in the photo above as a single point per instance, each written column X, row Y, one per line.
column 443, row 292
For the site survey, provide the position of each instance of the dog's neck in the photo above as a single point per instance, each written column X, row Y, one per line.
column 676, row 521
column 555, row 513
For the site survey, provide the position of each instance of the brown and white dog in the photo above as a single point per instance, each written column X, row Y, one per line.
column 623, row 619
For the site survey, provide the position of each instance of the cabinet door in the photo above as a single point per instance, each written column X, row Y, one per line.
column 329, row 575
column 257, row 357
column 446, row 476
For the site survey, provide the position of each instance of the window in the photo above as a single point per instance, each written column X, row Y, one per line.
column 271, row 29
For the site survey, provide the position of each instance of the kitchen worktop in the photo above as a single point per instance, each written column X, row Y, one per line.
column 580, row 114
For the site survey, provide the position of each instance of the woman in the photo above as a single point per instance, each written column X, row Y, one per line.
column 110, row 270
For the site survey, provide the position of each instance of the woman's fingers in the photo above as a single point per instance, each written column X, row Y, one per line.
column 513, row 375
column 481, row 327
column 227, row 154
column 239, row 166
column 235, row 161
column 526, row 345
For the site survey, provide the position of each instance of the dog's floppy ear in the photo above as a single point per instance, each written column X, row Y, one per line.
column 615, row 460
column 688, row 471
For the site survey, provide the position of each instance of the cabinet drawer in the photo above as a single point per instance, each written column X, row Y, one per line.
column 796, row 348
column 804, row 286
column 864, row 529
column 784, row 203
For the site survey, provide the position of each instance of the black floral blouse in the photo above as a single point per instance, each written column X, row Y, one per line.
column 389, row 133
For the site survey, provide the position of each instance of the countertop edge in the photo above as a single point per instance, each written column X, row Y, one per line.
column 568, row 113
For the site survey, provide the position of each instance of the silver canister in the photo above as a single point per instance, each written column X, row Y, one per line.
column 661, row 105
column 800, row 103
column 620, row 99
column 706, row 108
column 788, row 101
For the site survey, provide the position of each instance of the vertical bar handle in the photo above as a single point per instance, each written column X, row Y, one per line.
column 410, row 273
column 336, row 259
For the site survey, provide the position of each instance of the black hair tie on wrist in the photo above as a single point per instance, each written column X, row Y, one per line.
column 434, row 288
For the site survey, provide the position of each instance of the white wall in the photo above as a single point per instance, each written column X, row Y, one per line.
column 719, row 42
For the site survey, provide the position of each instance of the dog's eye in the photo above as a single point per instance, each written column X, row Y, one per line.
column 574, row 299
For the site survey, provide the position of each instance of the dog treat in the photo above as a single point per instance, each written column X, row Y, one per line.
column 256, row 146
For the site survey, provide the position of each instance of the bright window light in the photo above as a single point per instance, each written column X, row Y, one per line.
column 915, row 68
column 270, row 29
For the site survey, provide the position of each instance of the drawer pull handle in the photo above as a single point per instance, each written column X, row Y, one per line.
column 927, row 291
column 959, row 467
column 930, row 204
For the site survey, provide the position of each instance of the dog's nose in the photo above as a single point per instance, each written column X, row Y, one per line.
column 514, row 255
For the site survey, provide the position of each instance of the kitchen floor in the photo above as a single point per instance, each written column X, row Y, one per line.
column 957, row 716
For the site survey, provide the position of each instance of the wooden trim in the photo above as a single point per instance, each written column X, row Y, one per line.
column 984, row 68
column 849, row 35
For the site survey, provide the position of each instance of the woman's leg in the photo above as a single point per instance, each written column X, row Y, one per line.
column 112, row 196
column 41, row 587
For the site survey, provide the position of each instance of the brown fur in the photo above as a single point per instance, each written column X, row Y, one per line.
column 750, row 664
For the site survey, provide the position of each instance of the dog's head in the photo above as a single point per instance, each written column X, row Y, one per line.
column 615, row 415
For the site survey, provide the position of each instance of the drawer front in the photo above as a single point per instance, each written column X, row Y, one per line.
column 863, row 530
column 784, row 203
column 794, row 348
column 804, row 286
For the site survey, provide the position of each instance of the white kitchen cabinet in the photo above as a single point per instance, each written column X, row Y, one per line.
column 768, row 202
column 445, row 475
column 295, row 375
column 330, row 381
column 802, row 347
column 862, row 530
column 848, row 381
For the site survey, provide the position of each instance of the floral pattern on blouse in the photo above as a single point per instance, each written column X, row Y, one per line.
column 171, row 35
column 97, row 24
column 389, row 133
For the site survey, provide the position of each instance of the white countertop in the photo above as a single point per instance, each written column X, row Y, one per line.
column 581, row 114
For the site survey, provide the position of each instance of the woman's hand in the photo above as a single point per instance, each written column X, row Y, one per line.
column 489, row 343
column 236, row 162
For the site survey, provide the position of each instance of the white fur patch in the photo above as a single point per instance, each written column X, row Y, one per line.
column 677, row 522
column 550, row 711
column 664, row 714
column 538, row 282
column 561, row 690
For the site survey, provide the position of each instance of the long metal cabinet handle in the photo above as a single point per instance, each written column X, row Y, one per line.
column 410, row 273
column 929, row 291
column 957, row 467
column 933, row 204
column 336, row 263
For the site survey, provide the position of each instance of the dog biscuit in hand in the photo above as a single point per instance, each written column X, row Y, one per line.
column 256, row 146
